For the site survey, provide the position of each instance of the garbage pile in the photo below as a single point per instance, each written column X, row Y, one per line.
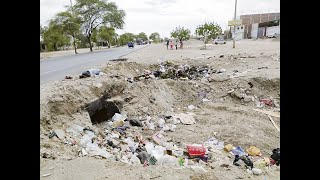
column 91, row 73
column 168, row 70
column 119, row 140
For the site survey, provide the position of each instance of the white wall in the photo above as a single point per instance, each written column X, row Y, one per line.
column 272, row 30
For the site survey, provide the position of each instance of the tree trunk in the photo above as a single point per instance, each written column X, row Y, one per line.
column 89, row 39
column 74, row 44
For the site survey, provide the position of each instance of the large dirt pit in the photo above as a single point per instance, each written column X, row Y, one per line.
column 221, row 102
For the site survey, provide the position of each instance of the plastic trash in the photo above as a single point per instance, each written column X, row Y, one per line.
column 117, row 117
column 220, row 145
column 211, row 142
column 149, row 148
column 87, row 138
column 134, row 159
column 169, row 127
column 150, row 125
column 158, row 138
column 158, row 152
column 143, row 156
column 60, row 133
column 228, row 147
column 196, row 149
column 185, row 118
column 135, row 122
column 181, row 161
column 253, row 151
column 168, row 160
column 256, row 171
column 75, row 130
column 94, row 150
column 261, row 163
column 191, row 107
column 177, row 153
column 131, row 144
column 276, row 156
column 238, row 151
column 161, row 122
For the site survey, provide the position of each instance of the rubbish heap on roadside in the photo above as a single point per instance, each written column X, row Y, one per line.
column 119, row 140
column 168, row 70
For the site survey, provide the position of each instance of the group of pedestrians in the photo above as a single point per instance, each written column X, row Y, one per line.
column 172, row 43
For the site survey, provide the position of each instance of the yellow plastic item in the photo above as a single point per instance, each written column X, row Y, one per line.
column 118, row 123
column 228, row 147
column 260, row 164
column 253, row 151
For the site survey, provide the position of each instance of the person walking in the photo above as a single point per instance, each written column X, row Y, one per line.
column 167, row 44
column 176, row 44
column 171, row 44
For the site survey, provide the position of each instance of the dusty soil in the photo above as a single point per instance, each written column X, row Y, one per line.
column 226, row 116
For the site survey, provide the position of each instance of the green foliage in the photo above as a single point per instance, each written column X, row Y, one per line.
column 208, row 31
column 69, row 24
column 181, row 33
column 125, row 38
column 94, row 13
column 143, row 36
column 106, row 34
column 54, row 37
column 155, row 37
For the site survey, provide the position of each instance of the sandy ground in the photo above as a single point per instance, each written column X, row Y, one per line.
column 224, row 116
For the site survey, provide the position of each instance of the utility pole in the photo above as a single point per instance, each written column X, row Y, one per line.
column 234, row 27
column 74, row 34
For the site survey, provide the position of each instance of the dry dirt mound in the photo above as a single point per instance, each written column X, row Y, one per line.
column 222, row 108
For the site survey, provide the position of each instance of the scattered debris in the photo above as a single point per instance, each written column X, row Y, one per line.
column 185, row 118
column 46, row 175
column 253, row 151
column 135, row 122
column 120, row 59
column 256, row 171
column 91, row 73
column 271, row 113
column 68, row 77
column 274, row 124
column 263, row 68
column 191, row 107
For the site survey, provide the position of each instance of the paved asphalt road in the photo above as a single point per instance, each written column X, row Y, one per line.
column 56, row 68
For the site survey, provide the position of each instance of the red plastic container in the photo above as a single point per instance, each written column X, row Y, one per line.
column 196, row 149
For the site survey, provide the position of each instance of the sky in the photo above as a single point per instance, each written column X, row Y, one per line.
column 163, row 16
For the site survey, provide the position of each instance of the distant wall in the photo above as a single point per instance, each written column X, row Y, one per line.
column 273, row 30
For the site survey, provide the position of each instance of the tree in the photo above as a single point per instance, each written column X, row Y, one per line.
column 69, row 24
column 54, row 37
column 143, row 36
column 42, row 30
column 208, row 31
column 155, row 37
column 181, row 33
column 94, row 13
column 125, row 38
column 106, row 34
